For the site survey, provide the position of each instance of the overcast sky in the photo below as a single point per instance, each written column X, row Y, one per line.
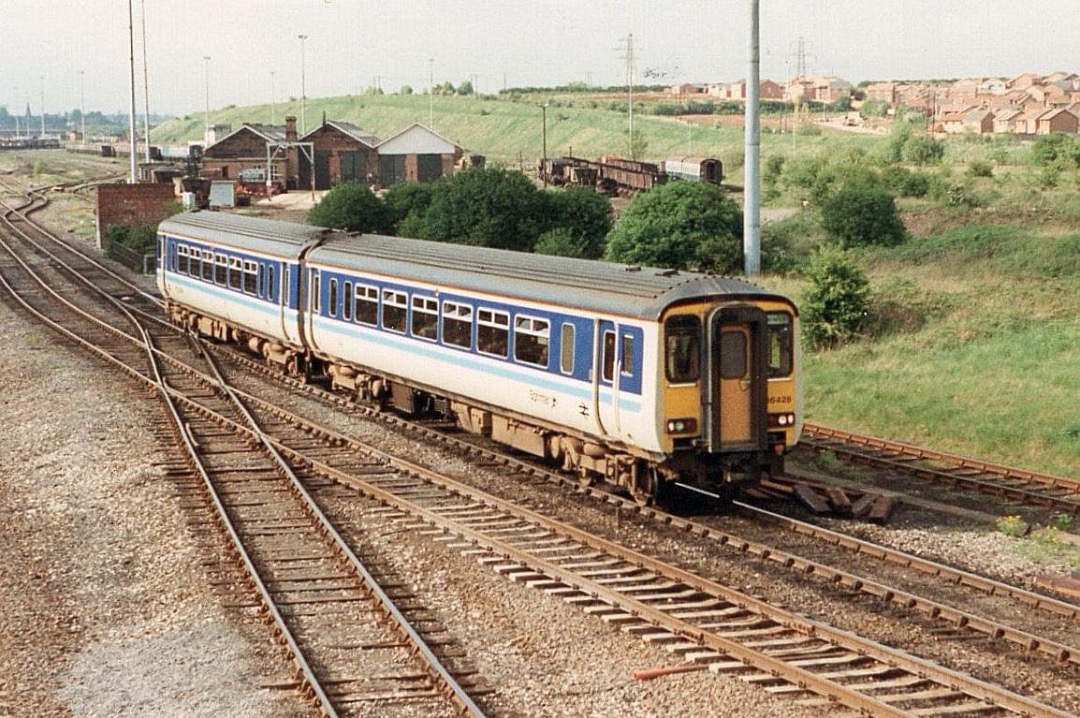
column 52, row 52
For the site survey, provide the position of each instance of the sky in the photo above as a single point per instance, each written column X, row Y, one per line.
column 67, row 54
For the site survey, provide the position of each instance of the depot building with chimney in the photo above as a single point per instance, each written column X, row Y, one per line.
column 330, row 154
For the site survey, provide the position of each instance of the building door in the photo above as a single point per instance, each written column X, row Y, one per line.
column 428, row 167
column 353, row 167
column 322, row 169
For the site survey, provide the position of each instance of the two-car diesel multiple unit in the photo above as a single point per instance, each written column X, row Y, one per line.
column 638, row 376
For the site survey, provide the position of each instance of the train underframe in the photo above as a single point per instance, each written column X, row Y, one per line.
column 646, row 477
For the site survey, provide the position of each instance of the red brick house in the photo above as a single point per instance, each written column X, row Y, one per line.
column 343, row 153
column 247, row 149
column 1062, row 119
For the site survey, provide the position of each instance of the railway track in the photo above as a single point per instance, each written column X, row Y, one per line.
column 700, row 620
column 950, row 470
column 309, row 583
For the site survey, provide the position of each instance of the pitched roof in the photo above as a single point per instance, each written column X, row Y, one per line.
column 357, row 133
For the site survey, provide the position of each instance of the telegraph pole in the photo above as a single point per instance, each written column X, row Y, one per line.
column 752, row 191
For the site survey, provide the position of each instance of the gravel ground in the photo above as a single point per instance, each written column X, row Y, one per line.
column 109, row 610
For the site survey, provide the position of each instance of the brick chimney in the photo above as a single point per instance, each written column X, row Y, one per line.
column 290, row 128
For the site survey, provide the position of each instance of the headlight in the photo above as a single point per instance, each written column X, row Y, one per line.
column 682, row 426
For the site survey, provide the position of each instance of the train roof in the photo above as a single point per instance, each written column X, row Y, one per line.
column 606, row 287
column 251, row 234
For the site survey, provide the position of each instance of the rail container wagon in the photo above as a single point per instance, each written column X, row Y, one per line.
column 638, row 376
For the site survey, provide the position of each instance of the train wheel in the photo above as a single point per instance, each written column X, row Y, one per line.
column 646, row 486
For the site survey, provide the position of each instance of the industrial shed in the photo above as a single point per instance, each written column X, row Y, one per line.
column 247, row 148
column 343, row 153
column 416, row 154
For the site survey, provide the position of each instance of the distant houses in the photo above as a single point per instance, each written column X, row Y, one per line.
column 1028, row 104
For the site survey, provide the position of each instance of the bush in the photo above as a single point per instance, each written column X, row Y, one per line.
column 980, row 168
column 351, row 206
column 835, row 309
column 923, row 150
column 680, row 225
column 858, row 216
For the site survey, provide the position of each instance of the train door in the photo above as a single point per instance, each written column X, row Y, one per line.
column 618, row 372
column 738, row 364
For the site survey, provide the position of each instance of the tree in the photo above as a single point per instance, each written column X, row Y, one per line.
column 582, row 219
column 680, row 225
column 406, row 203
column 465, row 87
column 485, row 207
column 836, row 308
column 351, row 206
column 636, row 144
column 860, row 215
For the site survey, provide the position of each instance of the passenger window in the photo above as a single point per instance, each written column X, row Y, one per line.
column 457, row 325
column 182, row 264
column 236, row 273
column 367, row 305
column 346, row 305
column 733, row 362
column 395, row 310
column 566, row 349
column 609, row 356
column 332, row 303
column 425, row 318
column 781, row 345
column 682, row 343
column 493, row 332
column 251, row 280
column 626, row 366
column 208, row 265
column 531, row 340
column 270, row 282
column 221, row 267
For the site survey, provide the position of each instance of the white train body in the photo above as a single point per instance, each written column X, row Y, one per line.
column 613, row 370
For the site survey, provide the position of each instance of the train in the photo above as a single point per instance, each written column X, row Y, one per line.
column 615, row 175
column 29, row 143
column 641, row 377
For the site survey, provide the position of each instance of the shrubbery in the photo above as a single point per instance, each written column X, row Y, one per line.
column 836, row 308
column 858, row 216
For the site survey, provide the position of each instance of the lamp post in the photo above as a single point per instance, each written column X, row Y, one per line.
column 206, row 87
column 303, row 87
column 146, row 83
column 431, row 93
column 133, row 147
column 543, row 139
column 42, row 77
column 272, row 100
column 82, row 102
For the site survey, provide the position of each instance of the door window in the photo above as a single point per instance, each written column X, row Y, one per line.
column 733, row 362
